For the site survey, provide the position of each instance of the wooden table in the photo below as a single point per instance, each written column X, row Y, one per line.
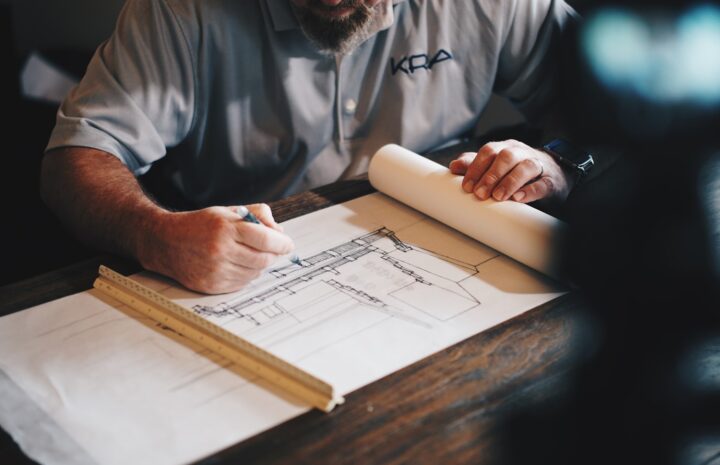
column 443, row 409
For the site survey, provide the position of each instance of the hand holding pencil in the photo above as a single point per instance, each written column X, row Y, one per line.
column 247, row 215
column 218, row 249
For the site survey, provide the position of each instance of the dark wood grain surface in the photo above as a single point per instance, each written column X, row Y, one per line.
column 444, row 409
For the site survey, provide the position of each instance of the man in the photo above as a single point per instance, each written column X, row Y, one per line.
column 259, row 99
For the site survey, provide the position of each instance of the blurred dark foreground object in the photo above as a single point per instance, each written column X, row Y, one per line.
column 644, row 246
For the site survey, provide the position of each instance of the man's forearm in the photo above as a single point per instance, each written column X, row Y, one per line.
column 99, row 200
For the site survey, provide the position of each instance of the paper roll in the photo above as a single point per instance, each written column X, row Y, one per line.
column 513, row 229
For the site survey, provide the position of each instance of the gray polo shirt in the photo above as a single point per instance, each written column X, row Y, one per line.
column 244, row 108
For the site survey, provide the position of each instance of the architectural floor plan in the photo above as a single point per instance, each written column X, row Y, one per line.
column 375, row 272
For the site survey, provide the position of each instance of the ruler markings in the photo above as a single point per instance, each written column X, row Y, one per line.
column 247, row 355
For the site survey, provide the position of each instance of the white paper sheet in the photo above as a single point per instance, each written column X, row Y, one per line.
column 380, row 287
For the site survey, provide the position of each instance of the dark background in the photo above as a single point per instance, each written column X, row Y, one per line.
column 66, row 33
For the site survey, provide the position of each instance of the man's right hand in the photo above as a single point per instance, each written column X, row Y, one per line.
column 213, row 250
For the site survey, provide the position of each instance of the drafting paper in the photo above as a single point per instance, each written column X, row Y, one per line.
column 380, row 286
column 515, row 229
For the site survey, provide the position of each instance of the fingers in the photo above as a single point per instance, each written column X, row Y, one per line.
column 263, row 239
column 522, row 173
column 461, row 164
column 477, row 169
column 537, row 190
column 264, row 214
column 257, row 246
column 243, row 255
column 498, row 166
column 231, row 264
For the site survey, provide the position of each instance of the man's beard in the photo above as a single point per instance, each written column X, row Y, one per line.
column 335, row 35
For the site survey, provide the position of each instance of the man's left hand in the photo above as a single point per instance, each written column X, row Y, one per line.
column 512, row 170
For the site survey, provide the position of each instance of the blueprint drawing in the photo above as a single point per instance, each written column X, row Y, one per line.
column 376, row 272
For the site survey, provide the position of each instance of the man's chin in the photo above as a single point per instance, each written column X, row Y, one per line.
column 336, row 31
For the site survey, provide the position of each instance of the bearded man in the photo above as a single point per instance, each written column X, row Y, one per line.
column 248, row 101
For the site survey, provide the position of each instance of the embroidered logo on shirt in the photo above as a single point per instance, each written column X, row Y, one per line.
column 412, row 63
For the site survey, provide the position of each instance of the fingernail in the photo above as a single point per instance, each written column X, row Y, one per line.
column 482, row 192
column 468, row 186
column 519, row 196
column 499, row 193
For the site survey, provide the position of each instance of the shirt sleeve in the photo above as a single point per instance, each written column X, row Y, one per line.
column 137, row 95
column 527, row 71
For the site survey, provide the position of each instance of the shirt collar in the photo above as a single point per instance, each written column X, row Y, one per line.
column 283, row 17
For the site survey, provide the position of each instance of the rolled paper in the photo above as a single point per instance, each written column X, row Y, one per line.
column 514, row 229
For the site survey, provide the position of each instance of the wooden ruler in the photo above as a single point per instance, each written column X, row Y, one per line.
column 250, row 357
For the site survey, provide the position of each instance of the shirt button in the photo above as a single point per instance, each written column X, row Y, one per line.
column 350, row 106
